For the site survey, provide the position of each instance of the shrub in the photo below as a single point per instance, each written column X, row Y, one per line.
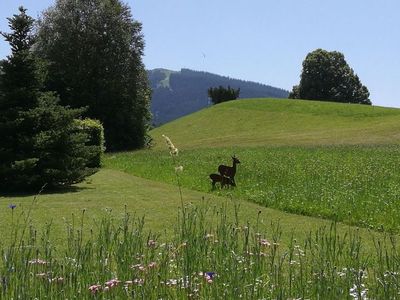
column 95, row 131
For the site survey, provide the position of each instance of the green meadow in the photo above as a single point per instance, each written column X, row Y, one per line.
column 329, row 160
column 315, row 214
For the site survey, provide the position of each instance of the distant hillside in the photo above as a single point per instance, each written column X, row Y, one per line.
column 178, row 93
column 272, row 122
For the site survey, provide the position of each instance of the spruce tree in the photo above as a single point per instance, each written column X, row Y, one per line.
column 40, row 143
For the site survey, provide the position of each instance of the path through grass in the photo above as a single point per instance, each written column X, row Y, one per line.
column 158, row 202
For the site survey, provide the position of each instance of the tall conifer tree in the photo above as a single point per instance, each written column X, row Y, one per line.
column 40, row 143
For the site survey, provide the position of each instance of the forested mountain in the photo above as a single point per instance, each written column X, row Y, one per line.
column 178, row 93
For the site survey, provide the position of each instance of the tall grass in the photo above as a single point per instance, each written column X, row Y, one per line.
column 211, row 255
column 359, row 185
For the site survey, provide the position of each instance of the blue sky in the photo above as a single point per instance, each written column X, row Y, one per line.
column 262, row 40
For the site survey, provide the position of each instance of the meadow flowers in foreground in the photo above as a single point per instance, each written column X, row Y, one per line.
column 211, row 255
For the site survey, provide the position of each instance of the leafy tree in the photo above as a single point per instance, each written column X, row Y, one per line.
column 326, row 76
column 39, row 142
column 222, row 94
column 95, row 52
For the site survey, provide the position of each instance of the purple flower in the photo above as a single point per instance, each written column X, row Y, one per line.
column 12, row 206
column 210, row 274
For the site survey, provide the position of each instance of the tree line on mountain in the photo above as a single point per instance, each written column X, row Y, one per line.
column 179, row 93
column 83, row 61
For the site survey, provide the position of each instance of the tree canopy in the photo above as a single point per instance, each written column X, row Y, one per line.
column 94, row 49
column 40, row 143
column 326, row 76
column 222, row 94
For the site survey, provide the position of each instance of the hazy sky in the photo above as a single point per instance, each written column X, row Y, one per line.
column 264, row 40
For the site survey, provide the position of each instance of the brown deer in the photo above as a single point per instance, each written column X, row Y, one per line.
column 229, row 171
column 222, row 179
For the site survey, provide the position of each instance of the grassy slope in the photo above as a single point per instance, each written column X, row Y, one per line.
column 278, row 122
column 327, row 166
column 159, row 202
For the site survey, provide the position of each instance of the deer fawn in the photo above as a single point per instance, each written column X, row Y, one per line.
column 229, row 171
column 222, row 179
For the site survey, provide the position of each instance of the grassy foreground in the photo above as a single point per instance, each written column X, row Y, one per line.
column 211, row 254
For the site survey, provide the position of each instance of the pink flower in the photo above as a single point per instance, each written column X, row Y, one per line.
column 151, row 243
column 112, row 283
column 140, row 267
column 94, row 288
column 264, row 242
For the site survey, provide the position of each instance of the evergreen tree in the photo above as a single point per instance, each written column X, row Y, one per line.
column 40, row 142
column 222, row 94
column 326, row 76
column 95, row 52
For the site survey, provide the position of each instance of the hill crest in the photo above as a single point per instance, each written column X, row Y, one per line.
column 283, row 122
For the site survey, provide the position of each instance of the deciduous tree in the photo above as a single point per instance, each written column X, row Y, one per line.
column 327, row 76
column 95, row 52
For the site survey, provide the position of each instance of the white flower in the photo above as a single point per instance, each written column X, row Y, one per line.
column 179, row 169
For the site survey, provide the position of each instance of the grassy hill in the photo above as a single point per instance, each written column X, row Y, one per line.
column 336, row 161
column 275, row 122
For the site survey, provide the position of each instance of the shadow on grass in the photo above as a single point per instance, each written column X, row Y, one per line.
column 48, row 191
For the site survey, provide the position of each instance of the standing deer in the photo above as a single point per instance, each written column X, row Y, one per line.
column 229, row 171
column 222, row 179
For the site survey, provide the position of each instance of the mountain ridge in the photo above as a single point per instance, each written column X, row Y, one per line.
column 179, row 93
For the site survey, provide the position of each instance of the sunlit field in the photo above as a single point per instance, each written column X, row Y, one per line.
column 358, row 185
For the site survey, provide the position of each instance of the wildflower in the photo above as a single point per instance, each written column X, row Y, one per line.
column 151, row 243
column 152, row 265
column 37, row 261
column 172, row 149
column 179, row 169
column 58, row 280
column 208, row 236
column 95, row 288
column 171, row 282
column 112, row 283
column 359, row 293
column 138, row 281
column 209, row 276
column 140, row 267
column 12, row 206
column 264, row 242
